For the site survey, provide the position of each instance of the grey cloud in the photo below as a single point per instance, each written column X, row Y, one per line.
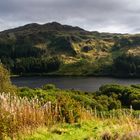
column 102, row 15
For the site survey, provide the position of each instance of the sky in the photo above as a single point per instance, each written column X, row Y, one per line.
column 118, row 16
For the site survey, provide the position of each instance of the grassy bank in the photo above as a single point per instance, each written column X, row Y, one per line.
column 49, row 113
column 31, row 119
column 96, row 129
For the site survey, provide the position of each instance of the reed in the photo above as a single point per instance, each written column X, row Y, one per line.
column 19, row 115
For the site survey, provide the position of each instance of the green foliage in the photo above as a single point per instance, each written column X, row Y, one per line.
column 109, row 97
column 127, row 65
column 127, row 95
column 136, row 104
column 70, row 109
column 105, row 129
column 126, row 41
column 32, row 65
column 48, row 87
column 58, row 49
column 48, row 105
column 5, row 83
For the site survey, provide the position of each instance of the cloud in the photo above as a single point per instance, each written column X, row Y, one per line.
column 102, row 15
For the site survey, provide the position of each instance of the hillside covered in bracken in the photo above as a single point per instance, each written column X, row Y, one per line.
column 55, row 49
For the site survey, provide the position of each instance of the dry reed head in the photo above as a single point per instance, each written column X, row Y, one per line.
column 19, row 114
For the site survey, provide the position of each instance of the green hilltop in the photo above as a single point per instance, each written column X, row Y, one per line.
column 55, row 49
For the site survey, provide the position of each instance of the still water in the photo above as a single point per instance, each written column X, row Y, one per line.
column 78, row 83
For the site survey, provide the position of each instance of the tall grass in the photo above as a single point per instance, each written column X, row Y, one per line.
column 19, row 115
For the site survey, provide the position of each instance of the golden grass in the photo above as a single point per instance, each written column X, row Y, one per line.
column 21, row 115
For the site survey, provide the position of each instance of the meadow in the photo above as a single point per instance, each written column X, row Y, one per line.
column 30, row 119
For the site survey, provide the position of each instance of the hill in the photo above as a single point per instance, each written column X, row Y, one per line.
column 55, row 49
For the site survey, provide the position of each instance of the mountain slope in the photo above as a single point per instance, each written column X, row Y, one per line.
column 53, row 48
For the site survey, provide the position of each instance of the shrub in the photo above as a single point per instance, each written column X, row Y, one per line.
column 48, row 87
column 5, row 83
column 18, row 114
column 70, row 109
column 136, row 104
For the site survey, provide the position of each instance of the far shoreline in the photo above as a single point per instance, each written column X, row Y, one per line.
column 65, row 75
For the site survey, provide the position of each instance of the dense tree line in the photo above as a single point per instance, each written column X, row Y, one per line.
column 31, row 64
column 127, row 65
column 13, row 51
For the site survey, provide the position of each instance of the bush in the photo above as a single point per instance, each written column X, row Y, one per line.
column 136, row 104
column 70, row 109
column 5, row 83
column 48, row 87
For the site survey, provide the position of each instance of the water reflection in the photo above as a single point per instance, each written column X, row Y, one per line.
column 80, row 83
